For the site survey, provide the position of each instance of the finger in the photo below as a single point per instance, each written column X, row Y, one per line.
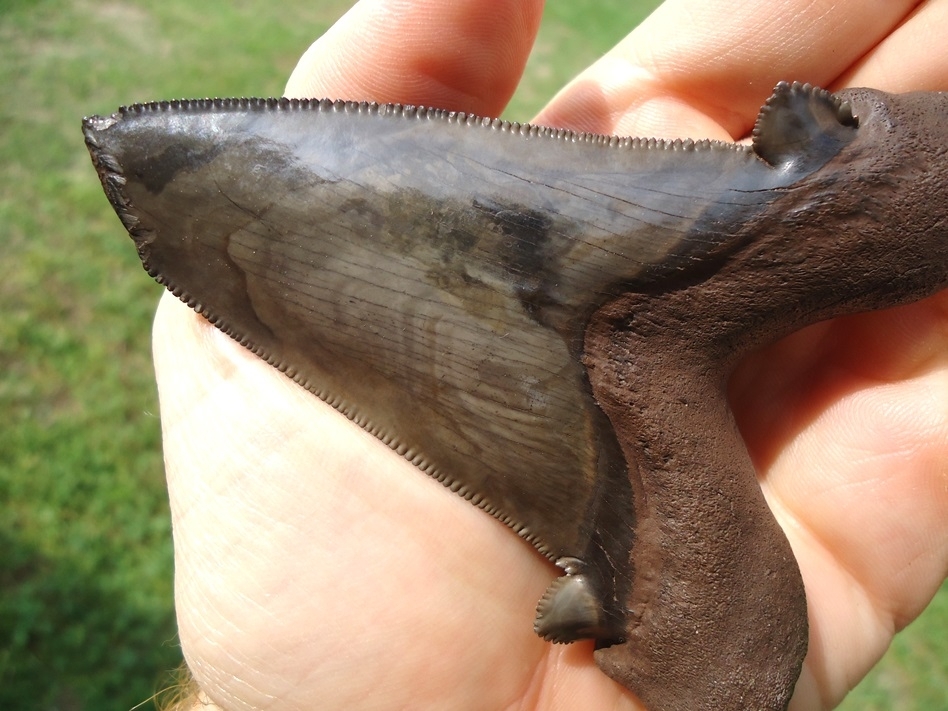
column 913, row 58
column 848, row 421
column 457, row 55
column 667, row 79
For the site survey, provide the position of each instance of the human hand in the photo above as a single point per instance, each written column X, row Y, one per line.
column 317, row 569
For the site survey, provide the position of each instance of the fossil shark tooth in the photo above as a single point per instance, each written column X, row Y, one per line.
column 545, row 322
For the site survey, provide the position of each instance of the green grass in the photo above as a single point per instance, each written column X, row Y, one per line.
column 913, row 675
column 86, row 619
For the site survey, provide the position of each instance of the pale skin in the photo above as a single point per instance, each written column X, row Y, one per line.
column 317, row 569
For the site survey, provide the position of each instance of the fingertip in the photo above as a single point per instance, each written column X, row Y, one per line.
column 463, row 55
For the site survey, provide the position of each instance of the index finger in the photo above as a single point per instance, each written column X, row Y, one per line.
column 665, row 79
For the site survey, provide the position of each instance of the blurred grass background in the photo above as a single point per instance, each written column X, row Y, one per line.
column 86, row 618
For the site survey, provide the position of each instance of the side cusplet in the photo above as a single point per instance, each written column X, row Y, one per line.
column 802, row 127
